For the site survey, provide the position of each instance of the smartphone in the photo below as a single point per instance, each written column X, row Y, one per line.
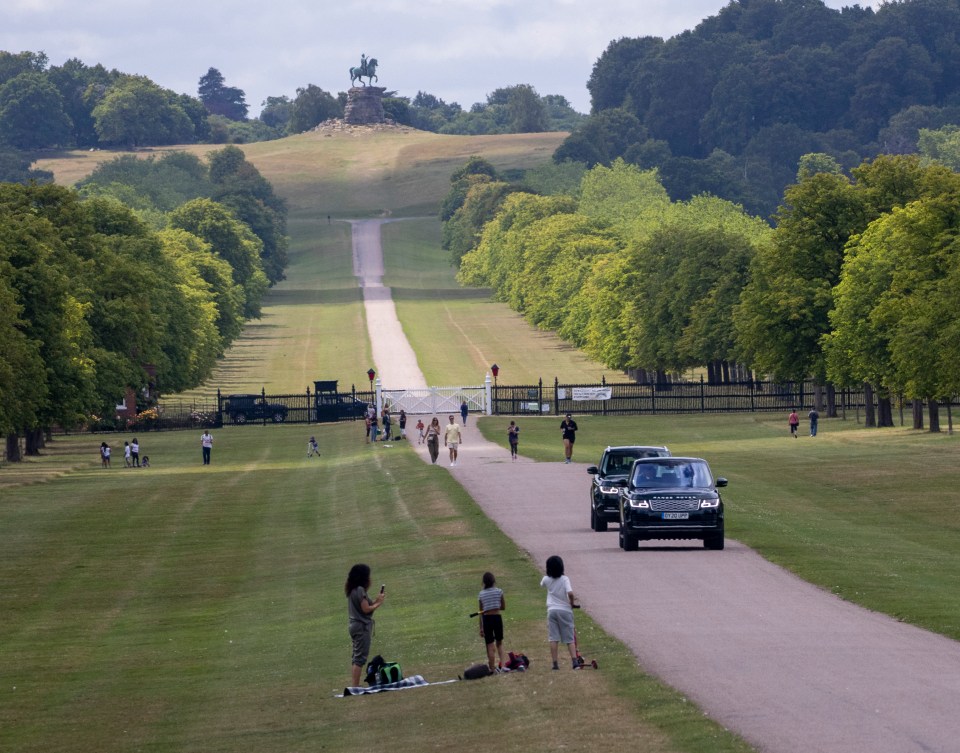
column 383, row 588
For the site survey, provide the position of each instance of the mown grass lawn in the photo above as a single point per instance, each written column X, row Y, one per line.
column 200, row 608
column 872, row 515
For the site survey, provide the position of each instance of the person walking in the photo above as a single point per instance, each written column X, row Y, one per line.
column 560, row 604
column 127, row 463
column 793, row 420
column 360, row 609
column 374, row 428
column 104, row 455
column 403, row 424
column 206, row 443
column 568, row 431
column 452, row 439
column 492, row 604
column 386, row 425
column 464, row 410
column 313, row 447
column 513, row 437
column 420, row 430
column 814, row 420
column 433, row 439
column 135, row 452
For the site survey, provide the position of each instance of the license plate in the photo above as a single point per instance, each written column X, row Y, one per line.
column 676, row 516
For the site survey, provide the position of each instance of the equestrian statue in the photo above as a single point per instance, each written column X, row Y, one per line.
column 366, row 70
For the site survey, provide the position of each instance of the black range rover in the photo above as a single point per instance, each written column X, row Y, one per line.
column 614, row 467
column 671, row 498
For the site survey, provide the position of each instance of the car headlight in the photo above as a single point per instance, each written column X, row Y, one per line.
column 709, row 503
column 608, row 489
column 640, row 504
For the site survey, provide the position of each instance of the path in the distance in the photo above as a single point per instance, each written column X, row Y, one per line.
column 786, row 665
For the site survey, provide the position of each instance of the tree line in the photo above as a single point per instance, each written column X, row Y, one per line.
column 854, row 284
column 83, row 106
column 730, row 106
column 139, row 278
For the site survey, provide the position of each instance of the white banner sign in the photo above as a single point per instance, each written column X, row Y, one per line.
column 592, row 393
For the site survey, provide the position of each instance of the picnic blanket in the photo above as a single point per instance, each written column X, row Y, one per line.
column 416, row 681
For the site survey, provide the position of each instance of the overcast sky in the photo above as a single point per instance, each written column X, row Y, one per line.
column 458, row 50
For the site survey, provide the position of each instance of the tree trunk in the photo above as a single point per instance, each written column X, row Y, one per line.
column 13, row 448
column 725, row 366
column 711, row 373
column 917, row 414
column 934, row 416
column 831, row 400
column 870, row 416
column 884, row 411
column 32, row 437
column 818, row 397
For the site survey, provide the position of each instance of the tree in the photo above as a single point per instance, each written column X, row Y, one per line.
column 136, row 112
column 31, row 113
column 220, row 99
column 527, row 111
column 277, row 112
column 15, row 168
column 312, row 106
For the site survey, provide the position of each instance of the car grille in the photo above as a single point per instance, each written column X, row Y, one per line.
column 674, row 504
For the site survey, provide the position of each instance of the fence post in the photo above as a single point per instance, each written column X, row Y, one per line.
column 540, row 396
column 703, row 405
column 753, row 405
column 379, row 396
column 263, row 398
column 603, row 383
column 653, row 398
column 219, row 409
column 486, row 389
column 309, row 411
column 556, row 396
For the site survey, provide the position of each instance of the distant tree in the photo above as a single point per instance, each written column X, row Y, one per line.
column 312, row 106
column 15, row 168
column 602, row 138
column 817, row 162
column 31, row 113
column 277, row 111
column 220, row 99
column 527, row 111
column 941, row 145
column 137, row 112
column 13, row 64
column 81, row 87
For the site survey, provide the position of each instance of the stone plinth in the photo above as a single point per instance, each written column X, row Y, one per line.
column 364, row 105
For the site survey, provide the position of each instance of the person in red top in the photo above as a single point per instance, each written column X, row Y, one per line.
column 794, row 421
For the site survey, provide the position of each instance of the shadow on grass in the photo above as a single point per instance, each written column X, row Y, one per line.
column 439, row 294
column 303, row 296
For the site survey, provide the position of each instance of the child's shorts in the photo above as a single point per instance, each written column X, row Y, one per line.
column 492, row 627
column 560, row 625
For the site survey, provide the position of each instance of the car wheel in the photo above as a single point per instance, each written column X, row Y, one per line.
column 278, row 417
column 713, row 541
column 601, row 525
column 593, row 518
column 627, row 542
column 239, row 418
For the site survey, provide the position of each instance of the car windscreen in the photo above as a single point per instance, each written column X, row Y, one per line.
column 665, row 474
column 618, row 462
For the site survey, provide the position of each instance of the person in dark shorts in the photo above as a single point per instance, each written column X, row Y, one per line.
column 513, row 437
column 360, row 607
column 568, row 430
column 492, row 604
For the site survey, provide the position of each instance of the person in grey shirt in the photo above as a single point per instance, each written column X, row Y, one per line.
column 360, row 607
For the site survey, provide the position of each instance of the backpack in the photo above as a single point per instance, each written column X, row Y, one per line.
column 380, row 672
column 476, row 671
column 517, row 662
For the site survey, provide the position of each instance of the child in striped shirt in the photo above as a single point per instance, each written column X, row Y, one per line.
column 491, row 622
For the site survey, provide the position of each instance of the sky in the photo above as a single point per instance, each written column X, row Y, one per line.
column 457, row 50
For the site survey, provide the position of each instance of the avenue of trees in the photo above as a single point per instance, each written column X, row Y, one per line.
column 855, row 284
column 730, row 106
column 141, row 277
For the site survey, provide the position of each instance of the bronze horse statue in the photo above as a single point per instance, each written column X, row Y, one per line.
column 367, row 69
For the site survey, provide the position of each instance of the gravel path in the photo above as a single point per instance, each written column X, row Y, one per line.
column 788, row 666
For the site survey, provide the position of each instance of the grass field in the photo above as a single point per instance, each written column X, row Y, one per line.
column 200, row 608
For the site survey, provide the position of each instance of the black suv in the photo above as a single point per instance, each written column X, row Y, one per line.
column 614, row 467
column 243, row 408
column 671, row 498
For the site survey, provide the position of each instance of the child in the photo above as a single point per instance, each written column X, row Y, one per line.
column 793, row 420
column 420, row 428
column 146, row 462
column 312, row 447
column 513, row 436
column 127, row 456
column 491, row 622
column 560, row 603
column 403, row 424
column 104, row 455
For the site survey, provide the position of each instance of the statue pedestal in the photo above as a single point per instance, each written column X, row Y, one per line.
column 364, row 105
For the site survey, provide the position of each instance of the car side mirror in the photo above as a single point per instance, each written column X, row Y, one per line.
column 593, row 470
column 721, row 481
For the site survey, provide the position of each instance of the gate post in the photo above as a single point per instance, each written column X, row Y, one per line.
column 379, row 397
column 486, row 390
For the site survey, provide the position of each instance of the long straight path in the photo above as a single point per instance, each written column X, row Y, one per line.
column 786, row 665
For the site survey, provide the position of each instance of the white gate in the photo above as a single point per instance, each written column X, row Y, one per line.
column 434, row 400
